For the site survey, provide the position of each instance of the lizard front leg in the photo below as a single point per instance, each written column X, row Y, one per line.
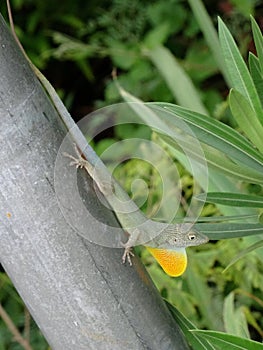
column 106, row 188
column 134, row 235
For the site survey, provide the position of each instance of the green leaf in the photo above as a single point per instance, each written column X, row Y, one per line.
column 244, row 252
column 217, row 161
column 168, row 117
column 211, row 37
column 223, row 218
column 251, row 319
column 232, row 199
column 237, row 69
column 246, row 118
column 234, row 318
column 222, row 164
column 177, row 80
column 186, row 326
column 70, row 48
column 229, row 230
column 216, row 134
column 226, row 341
column 256, row 74
column 257, row 35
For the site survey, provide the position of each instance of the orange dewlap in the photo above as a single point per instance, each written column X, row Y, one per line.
column 173, row 262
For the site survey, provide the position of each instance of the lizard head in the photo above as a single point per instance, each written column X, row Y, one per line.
column 180, row 236
column 168, row 248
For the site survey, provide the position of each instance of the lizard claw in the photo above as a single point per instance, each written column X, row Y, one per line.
column 127, row 255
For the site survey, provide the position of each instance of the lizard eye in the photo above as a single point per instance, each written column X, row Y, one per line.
column 192, row 236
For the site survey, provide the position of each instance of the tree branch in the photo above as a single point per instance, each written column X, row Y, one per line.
column 79, row 293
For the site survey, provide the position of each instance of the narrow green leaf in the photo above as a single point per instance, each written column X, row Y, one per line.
column 254, row 217
column 166, row 120
column 251, row 319
column 234, row 318
column 228, row 342
column 232, row 199
column 257, row 35
column 217, row 161
column 246, row 118
column 237, row 69
column 177, row 80
column 216, row 134
column 256, row 74
column 225, row 166
column 210, row 34
column 186, row 325
column 244, row 252
column 229, row 230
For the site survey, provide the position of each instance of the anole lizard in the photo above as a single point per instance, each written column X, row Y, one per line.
column 166, row 242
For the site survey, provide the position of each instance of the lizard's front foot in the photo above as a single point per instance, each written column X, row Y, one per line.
column 105, row 187
column 127, row 254
column 134, row 234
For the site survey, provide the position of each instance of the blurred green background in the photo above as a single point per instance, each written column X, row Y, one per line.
column 76, row 45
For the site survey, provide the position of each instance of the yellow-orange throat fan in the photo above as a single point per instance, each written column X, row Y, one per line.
column 172, row 261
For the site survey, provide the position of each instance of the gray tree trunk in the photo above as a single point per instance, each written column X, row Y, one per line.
column 79, row 293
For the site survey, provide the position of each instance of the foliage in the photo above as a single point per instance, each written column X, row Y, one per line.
column 151, row 49
column 245, row 104
column 227, row 152
column 84, row 38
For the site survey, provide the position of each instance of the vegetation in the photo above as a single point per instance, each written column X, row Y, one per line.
column 163, row 53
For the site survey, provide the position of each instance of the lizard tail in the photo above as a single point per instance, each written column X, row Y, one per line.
column 173, row 262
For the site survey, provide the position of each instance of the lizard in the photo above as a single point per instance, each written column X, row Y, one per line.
column 166, row 242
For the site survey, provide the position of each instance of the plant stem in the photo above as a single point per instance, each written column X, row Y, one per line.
column 11, row 326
